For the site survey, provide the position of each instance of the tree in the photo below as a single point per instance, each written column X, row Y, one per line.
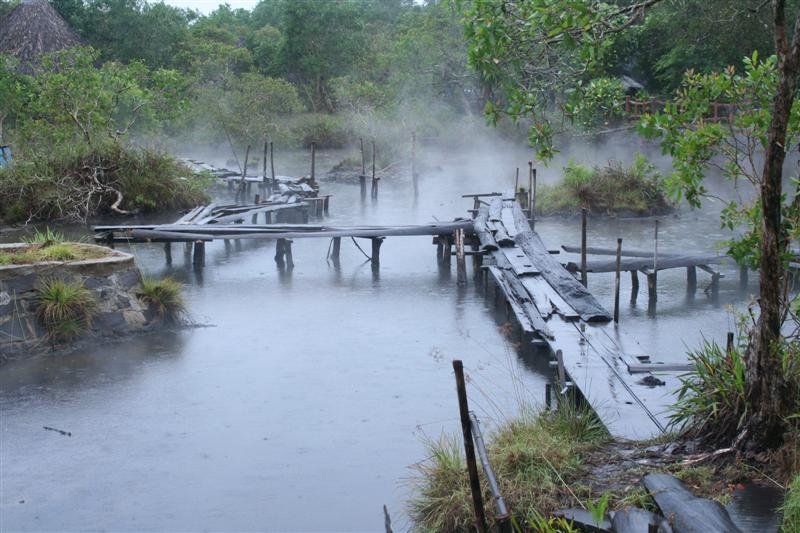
column 14, row 88
column 504, row 31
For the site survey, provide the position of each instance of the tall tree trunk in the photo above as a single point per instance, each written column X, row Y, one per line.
column 767, row 394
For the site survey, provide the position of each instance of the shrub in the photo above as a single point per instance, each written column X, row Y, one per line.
column 75, row 181
column 164, row 297
column 65, row 308
column 610, row 189
column 328, row 131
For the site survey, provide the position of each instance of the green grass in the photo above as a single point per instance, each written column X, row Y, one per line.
column 535, row 458
column 638, row 189
column 65, row 308
column 45, row 238
column 55, row 251
column 791, row 507
column 164, row 297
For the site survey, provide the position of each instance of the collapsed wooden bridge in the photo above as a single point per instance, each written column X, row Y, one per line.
column 630, row 394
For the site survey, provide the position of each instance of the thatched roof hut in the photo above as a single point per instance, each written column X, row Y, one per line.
column 32, row 29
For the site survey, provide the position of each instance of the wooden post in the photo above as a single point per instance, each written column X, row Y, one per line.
column 461, row 262
column 337, row 246
column 199, row 258
column 313, row 160
column 242, row 183
column 363, row 159
column 584, row 278
column 376, row 250
column 469, row 448
column 439, row 251
column 562, row 373
column 634, row 285
column 447, row 252
column 287, row 251
column 516, row 182
column 280, row 245
column 374, row 181
column 268, row 218
column 168, row 252
column 257, row 199
column 110, row 239
column 652, row 279
column 617, row 281
column 264, row 168
column 272, row 169
column 691, row 279
column 326, row 204
column 743, row 277
column 533, row 202
column 729, row 344
column 413, row 165
column 530, row 190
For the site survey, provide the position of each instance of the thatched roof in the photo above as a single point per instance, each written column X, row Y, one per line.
column 34, row 28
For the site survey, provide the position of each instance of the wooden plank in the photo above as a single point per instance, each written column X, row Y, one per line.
column 520, row 263
column 664, row 262
column 686, row 512
column 522, row 317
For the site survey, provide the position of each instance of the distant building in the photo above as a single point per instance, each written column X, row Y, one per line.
column 32, row 29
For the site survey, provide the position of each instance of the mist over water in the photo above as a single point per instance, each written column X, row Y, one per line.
column 305, row 396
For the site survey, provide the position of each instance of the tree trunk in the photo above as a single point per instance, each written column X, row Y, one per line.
column 767, row 393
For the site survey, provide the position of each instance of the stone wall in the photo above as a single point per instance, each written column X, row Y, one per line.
column 114, row 279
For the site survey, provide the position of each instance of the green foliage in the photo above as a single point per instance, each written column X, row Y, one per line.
column 697, row 144
column 45, row 238
column 328, row 131
column 49, row 251
column 65, row 184
column 163, row 297
column 533, row 457
column 596, row 103
column 638, row 189
column 791, row 507
column 65, row 308
column 711, row 399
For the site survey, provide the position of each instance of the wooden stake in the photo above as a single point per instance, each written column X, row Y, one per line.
column 199, row 258
column 243, row 184
column 168, row 252
column 652, row 283
column 530, row 190
column 264, row 167
column 617, row 281
column 363, row 159
column 516, row 182
column 533, row 202
column 272, row 169
column 337, row 246
column 729, row 343
column 287, row 252
column 313, row 159
column 691, row 279
column 634, row 285
column 280, row 244
column 469, row 448
column 461, row 262
column 376, row 250
column 584, row 278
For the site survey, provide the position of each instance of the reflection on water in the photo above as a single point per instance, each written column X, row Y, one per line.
column 305, row 399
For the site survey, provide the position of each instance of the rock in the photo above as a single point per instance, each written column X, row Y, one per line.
column 585, row 520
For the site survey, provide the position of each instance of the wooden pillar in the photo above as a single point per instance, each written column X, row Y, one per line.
column 743, row 274
column 280, row 246
column 469, row 448
column 257, row 199
column 363, row 159
column 461, row 261
column 374, row 179
column 326, row 204
column 447, row 250
column 634, row 285
column 376, row 250
column 652, row 283
column 187, row 248
column 268, row 217
column 363, row 179
column 199, row 258
column 168, row 252
column 584, row 278
column 533, row 202
column 337, row 246
column 617, row 281
column 439, row 250
column 274, row 184
column 110, row 239
column 287, row 252
column 264, row 182
column 715, row 283
column 691, row 279
column 313, row 160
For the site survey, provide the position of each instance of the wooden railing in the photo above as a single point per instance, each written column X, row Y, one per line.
column 634, row 109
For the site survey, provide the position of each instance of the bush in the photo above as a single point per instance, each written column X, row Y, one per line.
column 77, row 181
column 328, row 131
column 163, row 297
column 65, row 308
column 638, row 189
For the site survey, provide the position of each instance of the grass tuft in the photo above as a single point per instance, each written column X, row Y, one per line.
column 65, row 308
column 50, row 251
column 164, row 297
column 47, row 237
column 638, row 189
column 791, row 507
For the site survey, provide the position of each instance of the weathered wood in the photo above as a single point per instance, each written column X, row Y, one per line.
column 691, row 279
column 199, row 258
column 287, row 252
column 686, row 512
column 469, row 448
column 313, row 160
column 617, row 281
column 634, row 285
column 376, row 250
column 337, row 246
column 502, row 516
column 635, row 520
column 584, row 278
column 168, row 252
column 461, row 263
column 163, row 236
column 640, row 263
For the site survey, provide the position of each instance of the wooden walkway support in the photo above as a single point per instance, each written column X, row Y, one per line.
column 553, row 307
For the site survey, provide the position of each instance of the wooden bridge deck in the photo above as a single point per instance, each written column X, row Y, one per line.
column 551, row 306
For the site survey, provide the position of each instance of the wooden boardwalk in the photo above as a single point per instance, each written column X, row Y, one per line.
column 630, row 394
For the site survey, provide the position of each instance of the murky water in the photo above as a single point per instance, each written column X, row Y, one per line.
column 303, row 399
